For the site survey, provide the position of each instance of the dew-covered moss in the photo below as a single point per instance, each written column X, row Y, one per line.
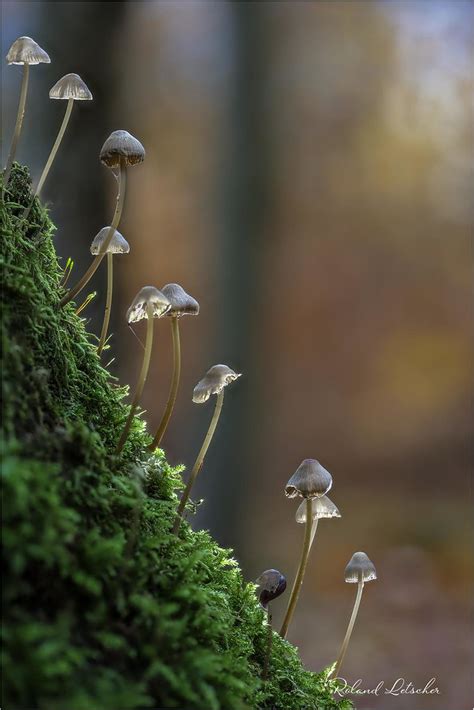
column 104, row 609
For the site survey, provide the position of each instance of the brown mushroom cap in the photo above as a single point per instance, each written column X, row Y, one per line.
column 213, row 382
column 118, row 243
column 360, row 569
column 121, row 145
column 271, row 584
column 148, row 295
column 322, row 507
column 182, row 304
column 310, row 480
column 70, row 86
column 25, row 50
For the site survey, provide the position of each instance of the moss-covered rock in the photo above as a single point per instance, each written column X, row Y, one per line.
column 104, row 609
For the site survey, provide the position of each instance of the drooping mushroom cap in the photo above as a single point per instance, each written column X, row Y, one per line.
column 182, row 304
column 272, row 583
column 360, row 568
column 310, row 480
column 322, row 507
column 120, row 145
column 148, row 295
column 24, row 50
column 213, row 382
column 70, row 86
column 118, row 243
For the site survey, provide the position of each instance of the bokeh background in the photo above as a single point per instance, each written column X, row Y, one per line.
column 309, row 180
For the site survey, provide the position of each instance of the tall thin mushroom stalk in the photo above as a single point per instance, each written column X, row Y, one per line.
column 27, row 52
column 214, row 382
column 121, row 150
column 182, row 304
column 271, row 584
column 310, row 480
column 359, row 570
column 149, row 303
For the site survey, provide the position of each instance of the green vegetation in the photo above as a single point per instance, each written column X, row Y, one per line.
column 104, row 608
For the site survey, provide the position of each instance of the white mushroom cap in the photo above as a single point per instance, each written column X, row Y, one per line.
column 25, row 50
column 70, row 86
column 310, row 480
column 121, row 145
column 118, row 243
column 322, row 507
column 148, row 295
column 213, row 382
column 182, row 304
column 360, row 568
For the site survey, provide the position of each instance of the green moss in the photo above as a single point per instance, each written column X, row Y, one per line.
column 103, row 607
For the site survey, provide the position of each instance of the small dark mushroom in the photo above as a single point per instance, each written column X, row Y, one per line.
column 271, row 584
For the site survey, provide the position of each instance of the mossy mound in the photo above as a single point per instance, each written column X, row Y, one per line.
column 104, row 609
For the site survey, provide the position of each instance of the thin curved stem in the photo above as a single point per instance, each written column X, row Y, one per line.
column 199, row 461
column 347, row 637
column 108, row 303
column 55, row 147
column 141, row 379
column 268, row 652
column 115, row 222
column 174, row 384
column 295, row 592
column 19, row 122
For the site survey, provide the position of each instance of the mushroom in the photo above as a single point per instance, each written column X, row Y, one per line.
column 271, row 583
column 182, row 304
column 121, row 150
column 118, row 245
column 321, row 508
column 309, row 481
column 69, row 88
column 25, row 51
column 215, row 381
column 149, row 303
column 360, row 569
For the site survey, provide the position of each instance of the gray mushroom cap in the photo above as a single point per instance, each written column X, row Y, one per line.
column 121, row 145
column 310, row 480
column 182, row 304
column 360, row 568
column 322, row 507
column 70, row 86
column 213, row 382
column 148, row 295
column 271, row 584
column 25, row 50
column 118, row 243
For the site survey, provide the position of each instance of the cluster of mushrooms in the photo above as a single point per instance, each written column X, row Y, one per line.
column 311, row 481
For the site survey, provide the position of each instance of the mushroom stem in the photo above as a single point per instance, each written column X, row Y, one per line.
column 301, row 570
column 345, row 643
column 313, row 531
column 115, row 222
column 19, row 122
column 174, row 384
column 268, row 652
column 141, row 379
column 54, row 149
column 108, row 303
column 199, row 461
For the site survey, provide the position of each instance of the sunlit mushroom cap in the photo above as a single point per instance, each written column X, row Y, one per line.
column 360, row 568
column 70, row 86
column 213, row 382
column 310, row 480
column 182, row 304
column 24, row 50
column 271, row 584
column 118, row 243
column 148, row 296
column 120, row 145
column 322, row 507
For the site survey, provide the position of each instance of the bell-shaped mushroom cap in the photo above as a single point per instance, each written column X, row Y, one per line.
column 213, row 382
column 182, row 304
column 360, row 568
column 118, row 243
column 148, row 295
column 24, row 50
column 322, row 507
column 70, row 86
column 272, row 583
column 310, row 480
column 120, row 145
